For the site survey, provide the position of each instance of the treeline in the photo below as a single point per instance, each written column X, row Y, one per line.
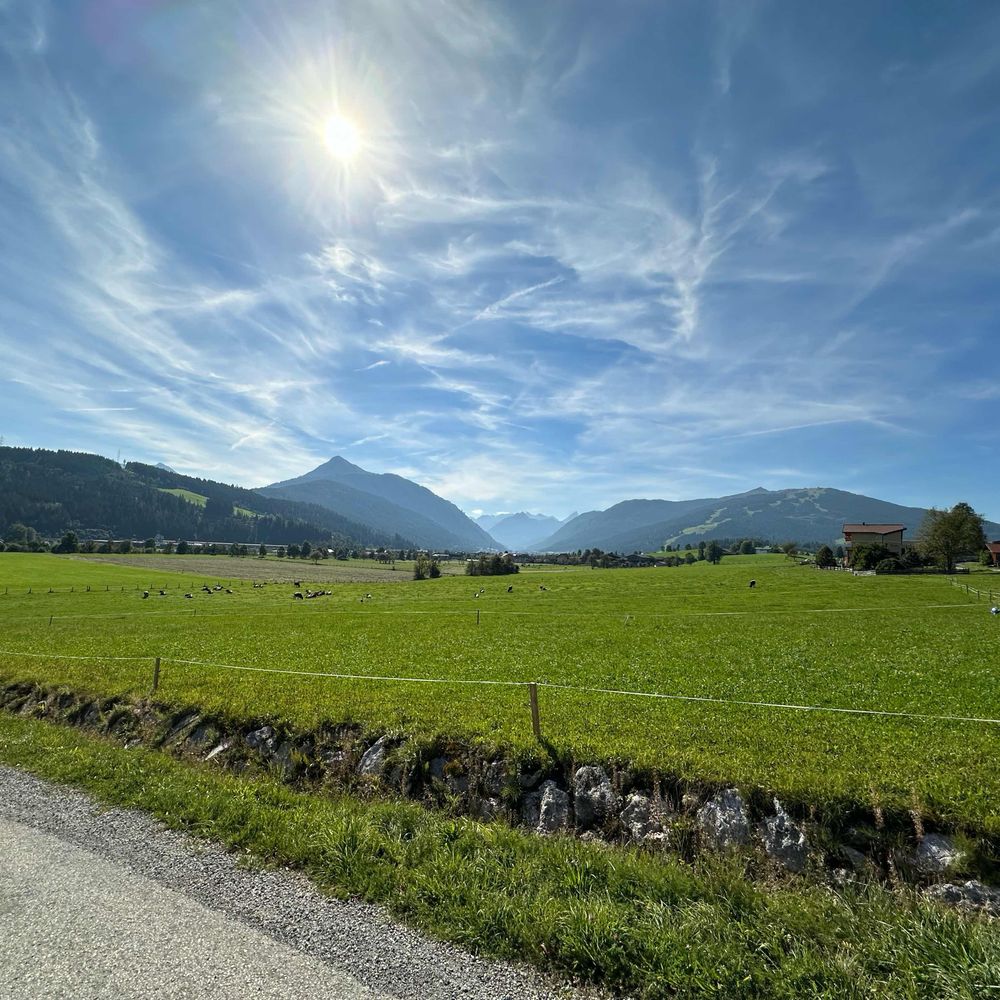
column 492, row 565
column 51, row 493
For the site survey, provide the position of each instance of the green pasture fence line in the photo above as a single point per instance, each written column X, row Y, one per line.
column 988, row 594
column 531, row 686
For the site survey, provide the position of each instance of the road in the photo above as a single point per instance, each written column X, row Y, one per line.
column 77, row 925
column 104, row 903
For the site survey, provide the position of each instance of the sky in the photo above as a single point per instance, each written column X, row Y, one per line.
column 581, row 252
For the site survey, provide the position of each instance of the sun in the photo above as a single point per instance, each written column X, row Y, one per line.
column 342, row 138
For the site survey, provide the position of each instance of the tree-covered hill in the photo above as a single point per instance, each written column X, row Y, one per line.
column 58, row 491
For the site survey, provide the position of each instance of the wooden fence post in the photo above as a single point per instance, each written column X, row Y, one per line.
column 536, row 725
column 477, row 616
column 156, row 675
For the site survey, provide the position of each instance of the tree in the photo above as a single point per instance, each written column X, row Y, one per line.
column 867, row 557
column 713, row 552
column 217, row 509
column 125, row 545
column 149, row 544
column 281, row 552
column 825, row 558
column 426, row 568
column 68, row 543
column 305, row 549
column 949, row 535
column 689, row 557
column 293, row 551
column 789, row 548
column 747, row 547
column 262, row 551
column 20, row 534
column 183, row 548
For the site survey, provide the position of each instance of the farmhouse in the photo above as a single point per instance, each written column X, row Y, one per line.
column 994, row 550
column 889, row 536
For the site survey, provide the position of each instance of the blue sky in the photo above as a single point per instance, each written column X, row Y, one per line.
column 586, row 251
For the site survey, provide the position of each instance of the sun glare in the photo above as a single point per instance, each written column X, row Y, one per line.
column 342, row 138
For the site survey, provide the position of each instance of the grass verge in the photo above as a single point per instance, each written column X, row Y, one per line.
column 621, row 918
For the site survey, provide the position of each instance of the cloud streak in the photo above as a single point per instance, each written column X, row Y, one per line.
column 580, row 252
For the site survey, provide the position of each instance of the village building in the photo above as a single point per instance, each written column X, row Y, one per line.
column 994, row 550
column 889, row 536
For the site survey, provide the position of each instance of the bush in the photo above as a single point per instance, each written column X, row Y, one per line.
column 890, row 565
column 495, row 565
column 825, row 558
column 68, row 543
column 869, row 556
column 426, row 568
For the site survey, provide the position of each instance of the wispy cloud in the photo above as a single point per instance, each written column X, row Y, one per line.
column 586, row 252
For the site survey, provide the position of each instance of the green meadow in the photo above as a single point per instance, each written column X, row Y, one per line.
column 801, row 637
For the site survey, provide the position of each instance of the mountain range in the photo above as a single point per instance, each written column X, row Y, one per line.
column 386, row 502
column 343, row 505
column 813, row 515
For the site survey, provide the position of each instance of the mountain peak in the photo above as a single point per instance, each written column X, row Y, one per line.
column 338, row 465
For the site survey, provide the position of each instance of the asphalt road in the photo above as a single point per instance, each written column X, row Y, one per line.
column 75, row 925
column 105, row 903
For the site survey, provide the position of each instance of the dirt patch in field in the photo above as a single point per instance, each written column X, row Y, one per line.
column 266, row 570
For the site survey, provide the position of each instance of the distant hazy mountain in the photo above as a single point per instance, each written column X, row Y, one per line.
column 387, row 502
column 522, row 531
column 486, row 521
column 801, row 515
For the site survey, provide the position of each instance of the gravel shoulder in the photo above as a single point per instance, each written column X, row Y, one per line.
column 108, row 903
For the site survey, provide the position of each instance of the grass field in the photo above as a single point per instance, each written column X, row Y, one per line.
column 805, row 637
column 196, row 498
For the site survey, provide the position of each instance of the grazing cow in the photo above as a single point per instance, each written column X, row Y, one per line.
column 995, row 611
column 145, row 594
column 297, row 596
column 163, row 593
column 189, row 596
column 540, row 587
column 753, row 583
column 510, row 589
column 296, row 583
column 228, row 591
column 218, row 586
column 206, row 589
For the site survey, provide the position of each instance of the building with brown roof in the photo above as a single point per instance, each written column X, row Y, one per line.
column 889, row 536
column 994, row 550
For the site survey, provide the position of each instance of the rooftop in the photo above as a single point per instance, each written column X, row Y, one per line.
column 874, row 529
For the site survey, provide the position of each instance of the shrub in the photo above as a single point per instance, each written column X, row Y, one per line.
column 426, row 568
column 890, row 565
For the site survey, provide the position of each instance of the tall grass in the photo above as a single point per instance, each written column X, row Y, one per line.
column 631, row 921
